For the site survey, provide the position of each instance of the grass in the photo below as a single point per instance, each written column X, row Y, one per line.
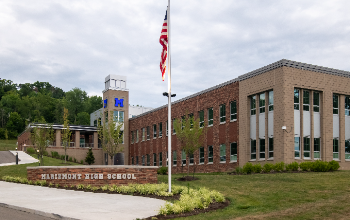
column 6, row 145
column 277, row 196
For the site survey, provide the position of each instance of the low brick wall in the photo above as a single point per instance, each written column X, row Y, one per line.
column 95, row 175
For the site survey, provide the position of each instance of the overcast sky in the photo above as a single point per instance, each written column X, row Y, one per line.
column 78, row 43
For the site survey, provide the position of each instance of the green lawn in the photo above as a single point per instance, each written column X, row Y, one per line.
column 278, row 196
column 6, row 145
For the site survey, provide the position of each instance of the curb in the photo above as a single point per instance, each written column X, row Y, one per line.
column 36, row 212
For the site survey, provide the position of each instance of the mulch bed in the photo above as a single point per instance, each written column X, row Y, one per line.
column 274, row 172
column 187, row 178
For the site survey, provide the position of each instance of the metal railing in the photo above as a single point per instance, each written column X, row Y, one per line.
column 87, row 145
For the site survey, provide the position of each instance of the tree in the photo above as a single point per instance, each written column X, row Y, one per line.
column 190, row 135
column 76, row 99
column 111, row 135
column 66, row 133
column 83, row 118
column 41, row 137
column 90, row 159
column 14, row 125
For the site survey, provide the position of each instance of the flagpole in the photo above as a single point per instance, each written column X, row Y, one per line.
column 169, row 99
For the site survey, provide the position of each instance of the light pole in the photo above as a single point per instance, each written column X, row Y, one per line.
column 16, row 157
column 38, row 156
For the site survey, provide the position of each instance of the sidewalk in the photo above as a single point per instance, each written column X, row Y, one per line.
column 24, row 157
column 58, row 203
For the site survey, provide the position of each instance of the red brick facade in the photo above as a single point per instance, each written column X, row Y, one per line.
column 217, row 134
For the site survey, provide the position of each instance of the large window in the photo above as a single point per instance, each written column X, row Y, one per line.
column 137, row 160
column 347, row 105
column 201, row 155
column 132, row 137
column 316, row 102
column 118, row 116
column 233, row 108
column 336, row 149
column 222, row 113
column 143, row 134
column 296, row 99
column 253, row 105
column 210, row 154
column 183, row 157
column 261, row 148
column 222, row 153
column 132, row 160
column 148, row 133
column 306, row 100
column 270, row 147
column 148, row 160
column 160, row 159
column 210, row 116
column 174, row 158
column 347, row 149
column 270, row 100
column 335, row 104
column 201, row 118
column 154, row 159
column 306, row 147
column 143, row 160
column 233, row 152
column 137, row 136
column 252, row 149
column 297, row 147
column 160, row 130
column 262, row 103
column 191, row 118
column 154, row 131
column 191, row 159
column 317, row 148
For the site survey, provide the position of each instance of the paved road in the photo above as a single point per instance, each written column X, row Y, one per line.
column 77, row 204
column 23, row 157
column 7, row 157
column 11, row 214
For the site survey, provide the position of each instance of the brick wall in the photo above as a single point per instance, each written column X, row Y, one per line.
column 90, row 175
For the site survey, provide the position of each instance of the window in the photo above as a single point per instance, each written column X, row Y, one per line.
column 132, row 160
column 347, row 149
column 95, row 123
column 317, row 148
column 262, row 148
column 253, row 105
column 148, row 133
column 137, row 160
column 183, row 118
column 335, row 149
column 143, row 134
column 222, row 113
column 154, row 131
column 347, row 105
column 233, row 152
column 174, row 158
column 270, row 147
column 148, row 160
column 191, row 118
column 233, row 113
column 201, row 155
column 270, row 100
column 143, row 160
column 306, row 147
column 121, row 134
column 252, row 149
column 154, row 159
column 160, row 130
column 183, row 157
column 201, row 118
column 132, row 137
column 160, row 159
column 137, row 136
column 296, row 99
column 297, row 147
column 210, row 154
column 316, row 102
column 222, row 153
column 210, row 116
column 335, row 104
column 262, row 103
column 118, row 116
column 306, row 100
column 174, row 131
column 191, row 159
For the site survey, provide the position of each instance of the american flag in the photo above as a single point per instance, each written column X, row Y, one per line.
column 163, row 40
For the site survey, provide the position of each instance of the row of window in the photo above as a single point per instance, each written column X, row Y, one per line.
column 233, row 156
column 261, row 103
column 306, row 100
column 145, row 132
column 307, row 147
column 262, row 150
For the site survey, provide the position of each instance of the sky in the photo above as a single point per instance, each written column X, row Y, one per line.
column 78, row 43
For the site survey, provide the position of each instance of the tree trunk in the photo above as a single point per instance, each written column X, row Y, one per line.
column 65, row 154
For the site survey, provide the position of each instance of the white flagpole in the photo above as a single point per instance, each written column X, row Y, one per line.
column 169, row 100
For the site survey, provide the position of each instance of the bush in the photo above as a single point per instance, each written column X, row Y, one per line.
column 90, row 159
column 75, row 160
column 294, row 166
column 30, row 150
column 54, row 154
column 320, row 166
column 305, row 166
column 70, row 159
column 267, row 167
column 82, row 161
column 45, row 153
column 278, row 167
column 239, row 170
column 333, row 165
column 248, row 168
column 162, row 170
column 257, row 168
column 62, row 157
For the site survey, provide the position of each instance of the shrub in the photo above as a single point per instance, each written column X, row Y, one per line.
column 90, row 159
column 278, row 167
column 239, row 170
column 45, row 153
column 62, row 157
column 70, row 159
column 294, row 166
column 267, row 167
column 57, row 185
column 333, row 165
column 30, row 150
column 257, row 168
column 305, row 166
column 320, row 166
column 75, row 160
column 82, row 161
column 162, row 170
column 248, row 168
column 80, row 186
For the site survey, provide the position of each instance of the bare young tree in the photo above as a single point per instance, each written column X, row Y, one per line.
column 41, row 137
column 66, row 133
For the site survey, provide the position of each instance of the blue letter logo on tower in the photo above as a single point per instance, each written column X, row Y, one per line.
column 119, row 102
column 105, row 103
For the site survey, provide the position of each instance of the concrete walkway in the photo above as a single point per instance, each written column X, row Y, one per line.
column 69, row 204
column 24, row 158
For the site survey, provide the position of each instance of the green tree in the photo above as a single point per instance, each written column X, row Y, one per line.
column 42, row 135
column 111, row 135
column 25, row 89
column 190, row 135
column 14, row 125
column 6, row 86
column 66, row 134
column 75, row 102
column 83, row 118
column 94, row 103
column 90, row 159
